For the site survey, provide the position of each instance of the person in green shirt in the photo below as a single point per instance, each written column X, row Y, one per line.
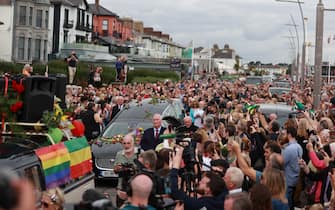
column 126, row 156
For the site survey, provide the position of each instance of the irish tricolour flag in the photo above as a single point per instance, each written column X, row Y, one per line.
column 80, row 157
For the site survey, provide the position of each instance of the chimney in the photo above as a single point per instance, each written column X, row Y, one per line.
column 97, row 3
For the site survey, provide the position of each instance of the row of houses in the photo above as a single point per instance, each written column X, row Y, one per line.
column 35, row 30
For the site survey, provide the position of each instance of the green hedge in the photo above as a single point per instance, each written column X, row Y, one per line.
column 108, row 75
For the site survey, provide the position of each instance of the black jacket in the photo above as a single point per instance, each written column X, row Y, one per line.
column 92, row 128
column 149, row 141
column 212, row 203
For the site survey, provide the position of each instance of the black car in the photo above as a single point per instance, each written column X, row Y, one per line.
column 126, row 121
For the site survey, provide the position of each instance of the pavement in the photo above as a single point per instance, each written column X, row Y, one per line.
column 107, row 188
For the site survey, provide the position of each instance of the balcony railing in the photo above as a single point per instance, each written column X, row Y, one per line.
column 68, row 24
column 83, row 27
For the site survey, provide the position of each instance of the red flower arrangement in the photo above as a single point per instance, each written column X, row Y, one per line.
column 10, row 102
column 15, row 107
column 17, row 87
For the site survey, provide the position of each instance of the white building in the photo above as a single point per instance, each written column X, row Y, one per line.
column 26, row 32
column 224, row 60
column 73, row 23
column 155, row 47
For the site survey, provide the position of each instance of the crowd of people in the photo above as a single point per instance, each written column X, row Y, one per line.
column 243, row 159
column 287, row 160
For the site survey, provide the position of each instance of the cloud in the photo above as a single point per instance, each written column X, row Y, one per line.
column 254, row 28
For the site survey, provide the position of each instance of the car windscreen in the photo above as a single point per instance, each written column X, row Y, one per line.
column 253, row 80
column 279, row 91
column 282, row 114
column 282, row 84
column 117, row 128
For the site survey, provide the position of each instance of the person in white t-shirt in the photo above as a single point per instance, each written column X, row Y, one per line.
column 198, row 115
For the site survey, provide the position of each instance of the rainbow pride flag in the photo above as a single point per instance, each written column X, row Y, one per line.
column 80, row 157
column 55, row 161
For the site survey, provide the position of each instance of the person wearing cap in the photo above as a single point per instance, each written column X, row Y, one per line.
column 72, row 61
column 27, row 70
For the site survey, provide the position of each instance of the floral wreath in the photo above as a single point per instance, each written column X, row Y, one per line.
column 137, row 133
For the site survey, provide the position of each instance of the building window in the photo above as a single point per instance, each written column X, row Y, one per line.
column 66, row 36
column 45, row 50
column 20, row 54
column 66, row 16
column 29, row 49
column 87, row 21
column 46, row 19
column 31, row 16
column 82, row 18
column 22, row 15
column 78, row 17
column 105, row 25
column 39, row 18
column 37, row 55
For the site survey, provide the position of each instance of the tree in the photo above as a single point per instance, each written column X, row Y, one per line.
column 216, row 47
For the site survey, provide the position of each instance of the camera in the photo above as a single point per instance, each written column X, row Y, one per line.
column 127, row 170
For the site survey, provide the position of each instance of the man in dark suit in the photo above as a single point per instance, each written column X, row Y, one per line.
column 118, row 107
column 150, row 138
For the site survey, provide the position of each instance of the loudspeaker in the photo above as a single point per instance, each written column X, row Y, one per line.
column 38, row 97
column 61, row 80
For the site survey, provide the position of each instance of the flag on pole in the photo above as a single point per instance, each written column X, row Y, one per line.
column 188, row 51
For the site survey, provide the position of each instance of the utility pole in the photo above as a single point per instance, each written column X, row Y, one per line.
column 318, row 54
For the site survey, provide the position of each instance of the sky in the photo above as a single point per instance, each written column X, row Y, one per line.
column 258, row 30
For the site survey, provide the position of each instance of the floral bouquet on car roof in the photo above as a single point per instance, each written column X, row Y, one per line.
column 113, row 140
column 138, row 135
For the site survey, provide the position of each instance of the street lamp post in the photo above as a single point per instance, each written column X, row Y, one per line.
column 298, row 45
column 303, row 52
column 294, row 48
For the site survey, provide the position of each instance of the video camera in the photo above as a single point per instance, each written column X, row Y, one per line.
column 183, row 138
column 127, row 170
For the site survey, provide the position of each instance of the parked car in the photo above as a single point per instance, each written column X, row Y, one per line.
column 254, row 80
column 268, row 78
column 279, row 90
column 126, row 121
column 283, row 111
column 283, row 84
